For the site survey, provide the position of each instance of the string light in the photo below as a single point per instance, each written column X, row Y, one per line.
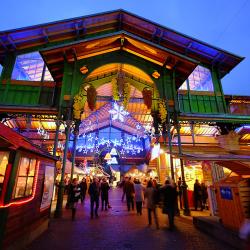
column 23, row 201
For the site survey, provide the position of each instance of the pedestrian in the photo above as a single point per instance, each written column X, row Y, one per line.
column 139, row 197
column 83, row 186
column 197, row 195
column 94, row 192
column 105, row 194
column 151, row 205
column 169, row 195
column 204, row 196
column 179, row 186
column 123, row 184
column 74, row 191
column 130, row 193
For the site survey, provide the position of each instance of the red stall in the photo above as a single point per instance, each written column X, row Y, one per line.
column 26, row 188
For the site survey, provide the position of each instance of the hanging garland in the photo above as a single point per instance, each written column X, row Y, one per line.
column 78, row 104
column 115, row 91
column 126, row 94
column 162, row 110
column 147, row 97
column 91, row 97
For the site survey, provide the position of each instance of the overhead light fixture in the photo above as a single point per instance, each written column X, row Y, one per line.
column 156, row 74
column 84, row 70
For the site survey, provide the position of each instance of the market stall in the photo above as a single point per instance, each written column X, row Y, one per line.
column 26, row 188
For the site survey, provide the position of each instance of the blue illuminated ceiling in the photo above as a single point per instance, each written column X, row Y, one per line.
column 100, row 133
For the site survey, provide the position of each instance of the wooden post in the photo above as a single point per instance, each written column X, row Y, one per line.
column 76, row 132
column 184, row 185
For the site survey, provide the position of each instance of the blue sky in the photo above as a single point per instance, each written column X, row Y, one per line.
column 222, row 23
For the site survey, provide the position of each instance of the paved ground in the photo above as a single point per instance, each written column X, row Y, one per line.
column 119, row 229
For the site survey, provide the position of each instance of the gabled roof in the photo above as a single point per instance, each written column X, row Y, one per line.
column 178, row 48
column 16, row 141
column 102, row 118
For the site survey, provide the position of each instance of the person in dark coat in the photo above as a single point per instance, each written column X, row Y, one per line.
column 83, row 186
column 204, row 195
column 74, row 196
column 129, row 190
column 169, row 195
column 197, row 195
column 94, row 192
column 105, row 194
column 179, row 185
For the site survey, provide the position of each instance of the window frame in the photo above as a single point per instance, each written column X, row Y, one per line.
column 27, row 176
column 5, row 176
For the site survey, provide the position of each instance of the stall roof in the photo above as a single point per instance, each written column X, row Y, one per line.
column 239, row 168
column 14, row 140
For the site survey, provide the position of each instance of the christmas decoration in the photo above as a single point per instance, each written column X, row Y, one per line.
column 118, row 113
column 162, row 110
column 147, row 97
column 91, row 97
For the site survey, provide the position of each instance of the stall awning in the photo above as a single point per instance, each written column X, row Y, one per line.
column 214, row 157
column 239, row 168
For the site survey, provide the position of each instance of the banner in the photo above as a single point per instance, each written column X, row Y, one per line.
column 48, row 187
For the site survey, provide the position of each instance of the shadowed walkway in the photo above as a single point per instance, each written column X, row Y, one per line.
column 119, row 229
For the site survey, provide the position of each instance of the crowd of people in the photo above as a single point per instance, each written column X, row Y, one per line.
column 149, row 194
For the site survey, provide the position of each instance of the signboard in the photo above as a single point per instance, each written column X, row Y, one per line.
column 226, row 193
column 48, row 187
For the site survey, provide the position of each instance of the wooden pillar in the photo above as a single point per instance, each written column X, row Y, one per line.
column 58, row 211
column 58, row 123
column 76, row 133
column 184, row 185
column 192, row 132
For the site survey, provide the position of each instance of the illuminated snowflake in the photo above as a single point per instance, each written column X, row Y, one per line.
column 118, row 113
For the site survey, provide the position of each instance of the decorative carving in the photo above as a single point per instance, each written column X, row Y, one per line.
column 229, row 141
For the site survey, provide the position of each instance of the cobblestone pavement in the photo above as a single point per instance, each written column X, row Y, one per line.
column 117, row 229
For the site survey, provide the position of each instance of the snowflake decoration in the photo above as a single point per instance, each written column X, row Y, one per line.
column 138, row 126
column 118, row 113
column 96, row 138
column 122, row 152
column 116, row 142
column 128, row 139
column 102, row 141
column 108, row 143
column 85, row 151
column 90, row 137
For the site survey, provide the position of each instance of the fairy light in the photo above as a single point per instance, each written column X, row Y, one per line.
column 23, row 201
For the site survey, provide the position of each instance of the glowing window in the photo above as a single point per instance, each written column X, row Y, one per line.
column 30, row 67
column 1, row 69
column 25, row 178
column 4, row 157
column 199, row 80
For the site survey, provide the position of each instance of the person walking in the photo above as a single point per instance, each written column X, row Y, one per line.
column 151, row 205
column 74, row 194
column 204, row 196
column 179, row 185
column 197, row 195
column 138, row 196
column 105, row 194
column 94, row 192
column 169, row 195
column 83, row 186
column 129, row 190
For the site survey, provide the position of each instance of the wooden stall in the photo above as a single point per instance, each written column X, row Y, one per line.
column 233, row 196
column 26, row 188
